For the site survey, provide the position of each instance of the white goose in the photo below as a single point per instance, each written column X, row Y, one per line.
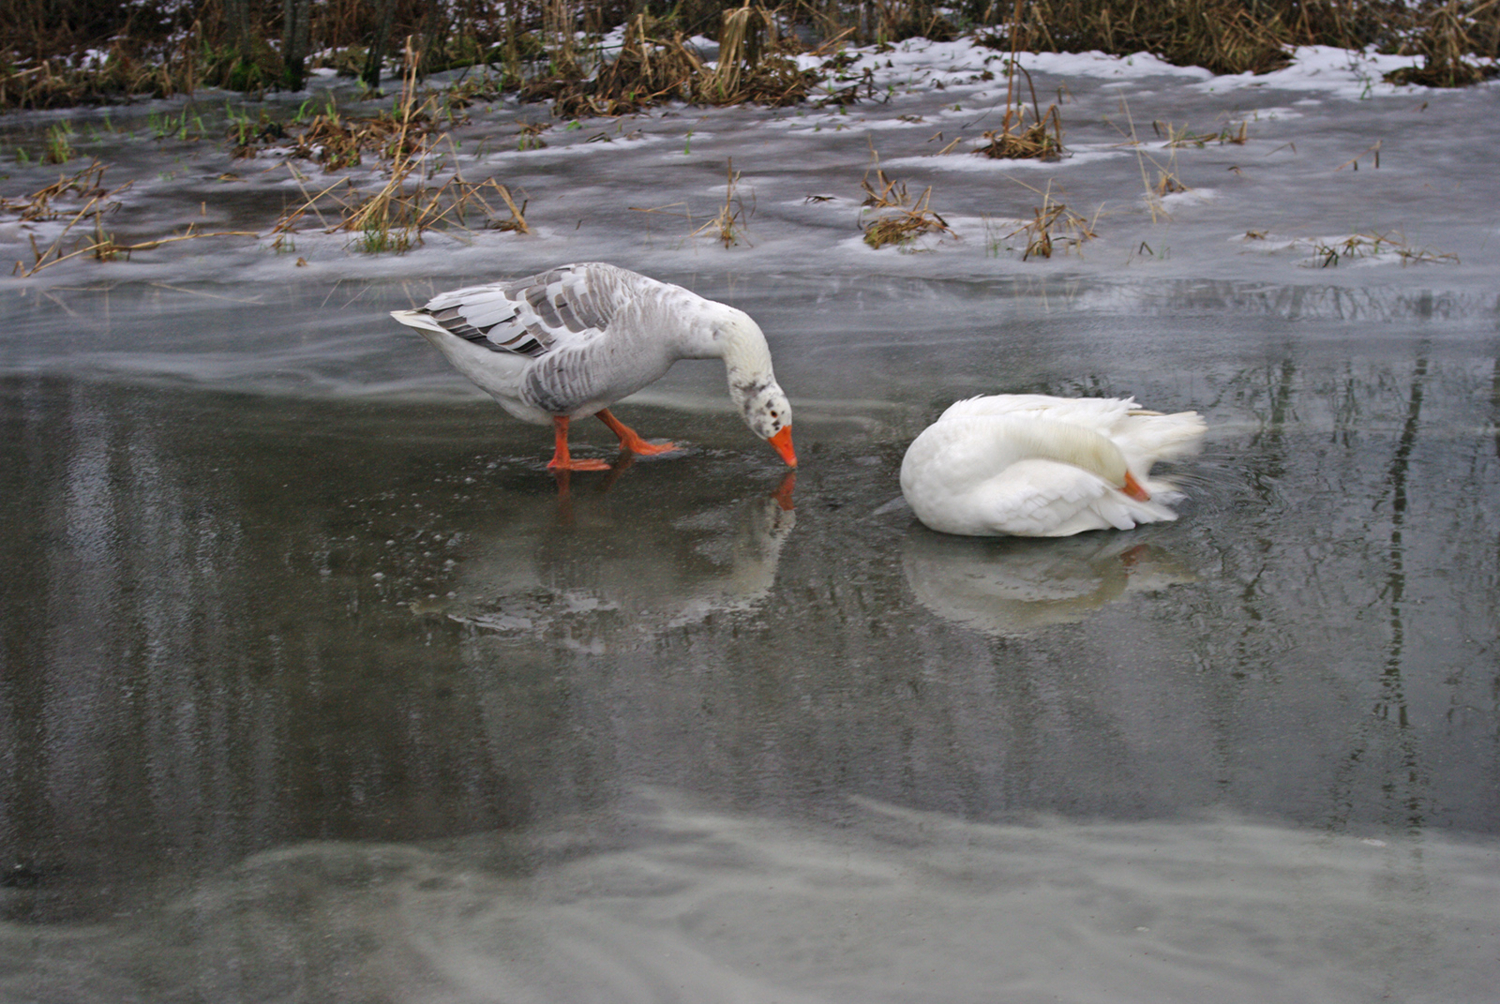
column 570, row 342
column 1030, row 465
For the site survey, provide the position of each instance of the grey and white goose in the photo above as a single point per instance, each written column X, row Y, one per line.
column 569, row 342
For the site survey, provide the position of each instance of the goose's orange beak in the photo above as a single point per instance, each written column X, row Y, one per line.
column 783, row 443
column 1133, row 488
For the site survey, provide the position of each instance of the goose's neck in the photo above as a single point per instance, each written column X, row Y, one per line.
column 729, row 334
column 746, row 355
column 1048, row 440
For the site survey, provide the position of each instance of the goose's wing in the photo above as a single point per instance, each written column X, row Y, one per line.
column 564, row 308
column 1045, row 498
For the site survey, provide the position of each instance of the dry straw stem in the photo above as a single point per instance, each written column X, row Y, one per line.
column 909, row 222
column 730, row 223
column 1053, row 223
column 89, row 183
column 39, row 204
column 885, row 194
column 1167, row 182
column 1327, row 254
column 1184, row 136
column 103, row 246
column 1354, row 161
column 1015, row 140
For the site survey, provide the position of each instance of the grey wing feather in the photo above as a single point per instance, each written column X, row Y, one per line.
column 566, row 306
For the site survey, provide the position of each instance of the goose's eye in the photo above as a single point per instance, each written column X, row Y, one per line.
column 773, row 413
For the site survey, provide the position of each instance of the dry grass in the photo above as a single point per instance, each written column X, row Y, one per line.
column 1042, row 140
column 40, row 205
column 729, row 225
column 901, row 219
column 530, row 135
column 1329, row 253
column 394, row 217
column 162, row 49
column 905, row 225
column 1167, row 180
column 885, row 193
column 338, row 142
column 84, row 235
column 1445, row 37
column 1014, row 139
column 1184, row 137
column 1053, row 225
column 655, row 65
column 1353, row 162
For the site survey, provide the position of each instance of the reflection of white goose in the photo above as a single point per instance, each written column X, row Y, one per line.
column 589, row 587
column 1007, row 588
column 1030, row 465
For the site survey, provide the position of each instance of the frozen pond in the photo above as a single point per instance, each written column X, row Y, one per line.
column 316, row 688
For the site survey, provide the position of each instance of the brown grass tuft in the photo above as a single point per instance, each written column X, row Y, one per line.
column 729, row 225
column 905, row 226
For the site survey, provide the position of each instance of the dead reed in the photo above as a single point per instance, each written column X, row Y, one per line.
column 729, row 225
column 84, row 233
column 394, row 217
column 1449, row 33
column 1328, row 253
column 903, row 219
column 656, row 64
column 69, row 52
column 1053, row 225
column 1014, row 139
column 338, row 142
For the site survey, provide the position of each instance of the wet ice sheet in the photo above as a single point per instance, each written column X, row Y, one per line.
column 280, row 576
column 1306, row 174
column 667, row 900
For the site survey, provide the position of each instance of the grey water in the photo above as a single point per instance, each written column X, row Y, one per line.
column 316, row 686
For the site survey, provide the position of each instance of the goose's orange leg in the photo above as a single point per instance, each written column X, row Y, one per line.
column 562, row 459
column 628, row 438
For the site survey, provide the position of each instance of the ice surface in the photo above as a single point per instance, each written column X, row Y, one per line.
column 316, row 688
column 668, row 900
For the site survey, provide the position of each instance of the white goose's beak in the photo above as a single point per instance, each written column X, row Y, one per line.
column 783, row 443
column 1133, row 488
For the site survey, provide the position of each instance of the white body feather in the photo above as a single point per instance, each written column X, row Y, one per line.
column 1037, row 466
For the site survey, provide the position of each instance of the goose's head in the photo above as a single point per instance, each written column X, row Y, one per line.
column 769, row 415
column 752, row 384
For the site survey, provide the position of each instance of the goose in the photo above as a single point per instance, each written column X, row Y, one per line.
column 1031, row 465
column 569, row 342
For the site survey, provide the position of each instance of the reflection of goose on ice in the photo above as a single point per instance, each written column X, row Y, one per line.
column 1030, row 465
column 591, row 583
column 568, row 343
column 1009, row 587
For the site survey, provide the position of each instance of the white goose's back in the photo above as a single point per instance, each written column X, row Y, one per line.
column 1030, row 465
